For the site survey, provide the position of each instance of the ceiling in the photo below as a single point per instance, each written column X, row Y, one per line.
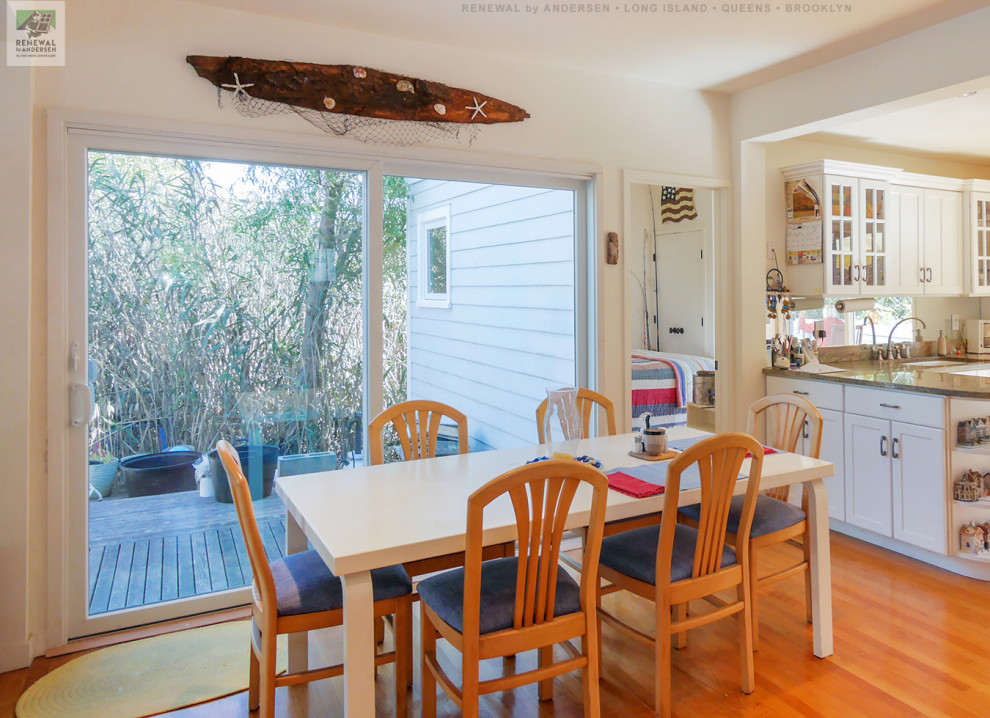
column 954, row 129
column 729, row 46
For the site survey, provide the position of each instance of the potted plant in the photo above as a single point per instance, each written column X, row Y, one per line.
column 102, row 473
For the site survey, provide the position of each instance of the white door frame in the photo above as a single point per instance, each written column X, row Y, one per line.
column 723, row 273
column 70, row 135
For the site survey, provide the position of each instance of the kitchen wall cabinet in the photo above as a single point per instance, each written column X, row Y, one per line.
column 886, row 232
column 853, row 201
column 925, row 231
column 976, row 233
column 942, row 243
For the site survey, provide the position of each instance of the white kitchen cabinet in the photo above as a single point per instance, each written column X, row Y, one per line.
column 942, row 244
column 857, row 251
column 895, row 465
column 857, row 244
column 976, row 233
column 917, row 455
column 833, row 450
column 924, row 230
column 906, row 210
column 827, row 398
column 868, row 490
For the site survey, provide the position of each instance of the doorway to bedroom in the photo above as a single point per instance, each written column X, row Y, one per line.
column 671, row 265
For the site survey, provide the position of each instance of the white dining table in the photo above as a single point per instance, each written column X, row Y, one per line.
column 369, row 517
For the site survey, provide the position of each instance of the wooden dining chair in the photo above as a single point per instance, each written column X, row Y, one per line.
column 586, row 401
column 528, row 601
column 673, row 564
column 417, row 423
column 299, row 593
column 787, row 418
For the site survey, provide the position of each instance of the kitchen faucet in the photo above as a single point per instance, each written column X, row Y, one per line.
column 868, row 318
column 893, row 328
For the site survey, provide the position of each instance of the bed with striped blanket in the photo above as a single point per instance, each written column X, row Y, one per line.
column 661, row 385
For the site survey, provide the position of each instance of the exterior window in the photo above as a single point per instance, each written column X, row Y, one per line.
column 434, row 257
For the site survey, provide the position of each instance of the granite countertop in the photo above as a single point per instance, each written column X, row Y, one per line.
column 906, row 375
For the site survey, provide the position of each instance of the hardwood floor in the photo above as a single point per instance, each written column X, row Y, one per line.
column 910, row 640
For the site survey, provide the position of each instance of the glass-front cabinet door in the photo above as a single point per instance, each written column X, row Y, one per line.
column 841, row 256
column 979, row 242
column 874, row 256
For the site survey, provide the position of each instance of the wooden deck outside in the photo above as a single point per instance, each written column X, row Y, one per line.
column 158, row 548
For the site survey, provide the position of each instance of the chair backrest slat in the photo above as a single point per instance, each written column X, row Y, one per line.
column 541, row 496
column 264, row 582
column 785, row 416
column 417, row 425
column 719, row 460
column 587, row 400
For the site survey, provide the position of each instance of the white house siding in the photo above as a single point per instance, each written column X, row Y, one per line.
column 509, row 330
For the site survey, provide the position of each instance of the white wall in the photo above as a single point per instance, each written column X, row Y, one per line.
column 15, row 367
column 127, row 59
column 920, row 67
column 508, row 333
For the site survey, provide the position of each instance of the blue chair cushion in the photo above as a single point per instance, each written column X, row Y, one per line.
column 769, row 516
column 444, row 594
column 304, row 584
column 634, row 553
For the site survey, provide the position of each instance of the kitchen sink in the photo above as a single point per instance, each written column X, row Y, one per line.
column 970, row 370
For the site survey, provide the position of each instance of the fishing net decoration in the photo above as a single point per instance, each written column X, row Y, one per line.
column 371, row 130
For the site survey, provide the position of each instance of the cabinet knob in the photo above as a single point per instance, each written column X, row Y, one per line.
column 883, row 446
column 890, row 406
column 893, row 449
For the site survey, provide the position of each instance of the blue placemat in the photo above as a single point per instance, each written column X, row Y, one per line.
column 656, row 473
column 682, row 444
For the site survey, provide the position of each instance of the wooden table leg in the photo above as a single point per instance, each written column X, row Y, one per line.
column 821, row 568
column 359, row 646
column 295, row 541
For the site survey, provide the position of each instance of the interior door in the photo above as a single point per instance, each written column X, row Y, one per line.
column 683, row 287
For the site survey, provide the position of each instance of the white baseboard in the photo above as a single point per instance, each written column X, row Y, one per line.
column 15, row 655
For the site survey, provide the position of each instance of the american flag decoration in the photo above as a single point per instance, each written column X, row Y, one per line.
column 677, row 203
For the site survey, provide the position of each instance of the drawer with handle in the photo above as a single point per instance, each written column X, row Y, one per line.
column 909, row 407
column 824, row 395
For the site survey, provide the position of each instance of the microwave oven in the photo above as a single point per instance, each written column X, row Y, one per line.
column 977, row 334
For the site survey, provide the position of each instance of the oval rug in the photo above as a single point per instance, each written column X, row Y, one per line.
column 145, row 677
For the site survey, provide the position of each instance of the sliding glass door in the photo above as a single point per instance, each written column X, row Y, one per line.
column 277, row 298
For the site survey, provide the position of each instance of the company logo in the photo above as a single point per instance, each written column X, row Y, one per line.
column 35, row 32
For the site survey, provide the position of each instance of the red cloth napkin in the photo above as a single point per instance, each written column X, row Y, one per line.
column 766, row 450
column 631, row 486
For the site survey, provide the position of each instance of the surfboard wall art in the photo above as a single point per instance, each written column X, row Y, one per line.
column 343, row 95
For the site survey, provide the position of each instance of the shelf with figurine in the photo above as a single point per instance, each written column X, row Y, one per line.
column 974, row 540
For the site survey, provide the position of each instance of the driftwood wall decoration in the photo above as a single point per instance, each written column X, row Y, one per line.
column 390, row 108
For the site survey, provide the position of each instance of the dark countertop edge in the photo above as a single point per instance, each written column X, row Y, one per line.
column 838, row 378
